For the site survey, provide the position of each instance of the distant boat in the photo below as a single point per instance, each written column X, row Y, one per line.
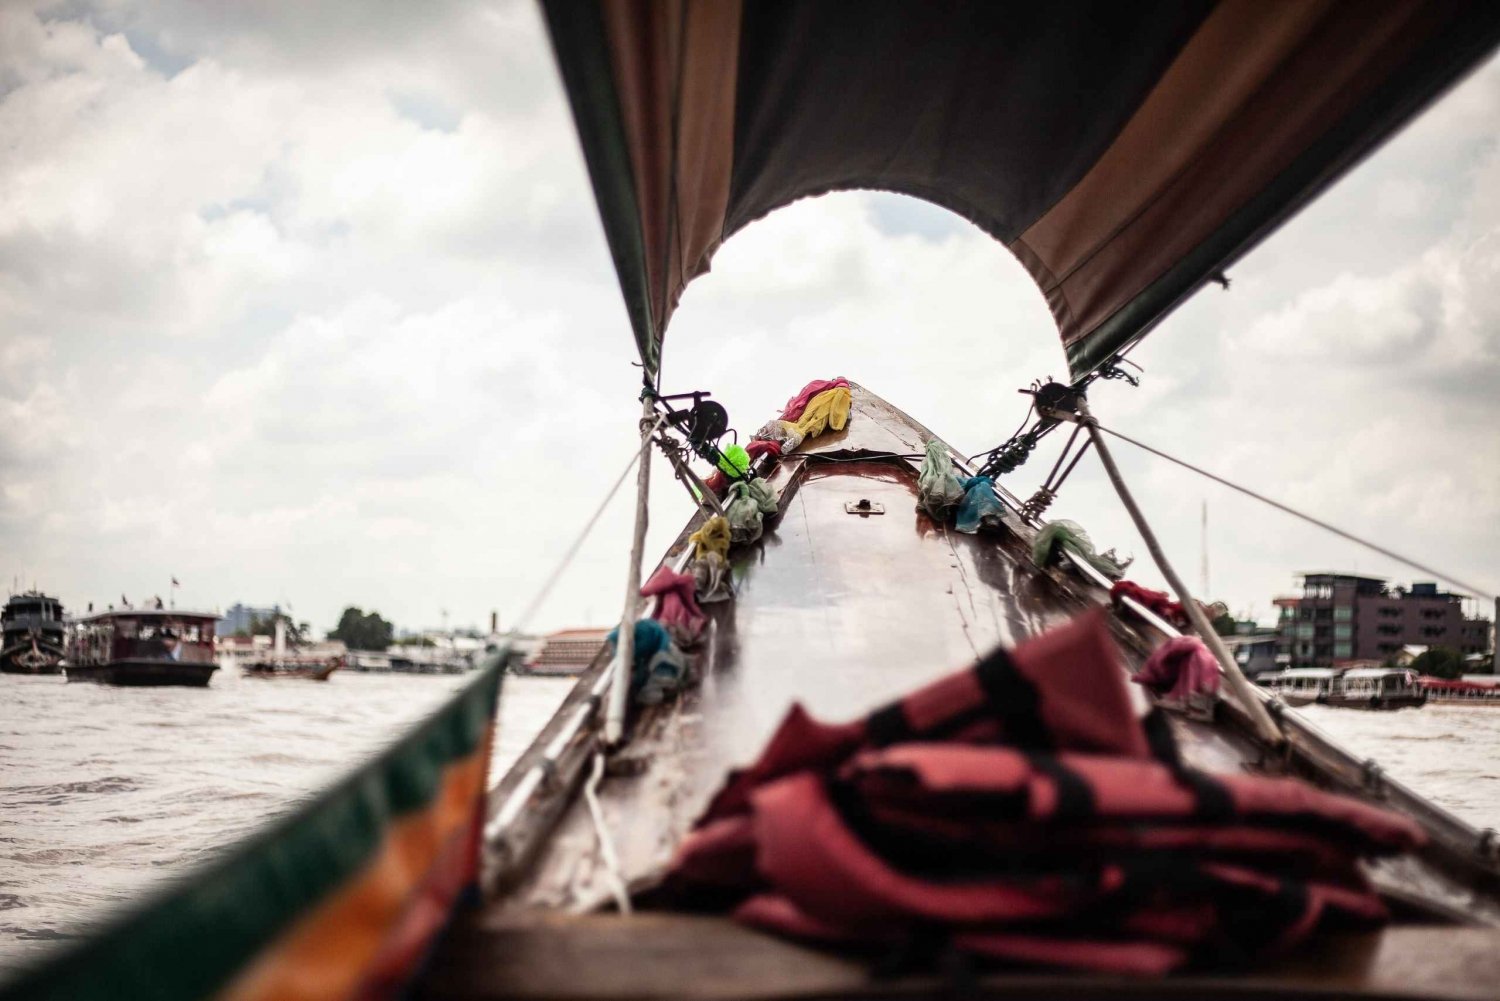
column 143, row 647
column 307, row 664
column 1359, row 688
column 1470, row 690
column 311, row 668
column 32, row 626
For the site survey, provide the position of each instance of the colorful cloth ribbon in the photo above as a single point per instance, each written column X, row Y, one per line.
column 797, row 404
column 676, row 604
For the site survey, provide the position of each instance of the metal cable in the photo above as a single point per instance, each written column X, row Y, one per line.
column 1477, row 592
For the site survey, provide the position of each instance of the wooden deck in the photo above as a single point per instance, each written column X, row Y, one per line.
column 607, row 957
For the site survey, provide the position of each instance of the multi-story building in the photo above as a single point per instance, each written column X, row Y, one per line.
column 240, row 617
column 1344, row 617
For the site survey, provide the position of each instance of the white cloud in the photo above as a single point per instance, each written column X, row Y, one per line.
column 311, row 304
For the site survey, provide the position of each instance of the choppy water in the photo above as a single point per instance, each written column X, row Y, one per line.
column 1450, row 754
column 104, row 791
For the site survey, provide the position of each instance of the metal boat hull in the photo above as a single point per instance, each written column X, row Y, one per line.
column 43, row 659
column 144, row 673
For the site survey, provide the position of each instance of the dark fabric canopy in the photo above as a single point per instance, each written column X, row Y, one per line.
column 1124, row 152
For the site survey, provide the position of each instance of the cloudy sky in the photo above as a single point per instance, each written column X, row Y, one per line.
column 310, row 304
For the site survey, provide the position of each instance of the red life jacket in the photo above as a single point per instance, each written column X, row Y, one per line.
column 871, row 855
column 1063, row 688
column 951, row 810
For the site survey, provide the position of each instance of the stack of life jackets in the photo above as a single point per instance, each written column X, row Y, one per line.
column 1022, row 811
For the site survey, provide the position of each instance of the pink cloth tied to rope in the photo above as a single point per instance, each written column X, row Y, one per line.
column 798, row 403
column 676, row 603
column 1179, row 668
column 760, row 447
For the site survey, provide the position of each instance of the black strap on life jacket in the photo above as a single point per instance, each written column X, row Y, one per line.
column 1075, row 797
column 888, row 726
column 1211, row 800
column 1010, row 698
column 1014, row 700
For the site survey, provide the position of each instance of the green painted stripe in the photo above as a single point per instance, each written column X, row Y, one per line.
column 1446, row 59
column 191, row 940
column 582, row 50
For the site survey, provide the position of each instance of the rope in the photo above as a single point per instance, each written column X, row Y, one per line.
column 619, row 693
column 1477, row 592
column 546, row 589
column 1259, row 718
column 612, row 869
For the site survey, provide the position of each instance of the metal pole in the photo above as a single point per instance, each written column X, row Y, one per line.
column 1495, row 639
column 619, row 693
column 1244, row 692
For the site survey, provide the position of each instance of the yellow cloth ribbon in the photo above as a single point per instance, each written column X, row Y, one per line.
column 829, row 409
column 713, row 537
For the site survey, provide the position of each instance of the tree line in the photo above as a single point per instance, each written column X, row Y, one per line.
column 361, row 630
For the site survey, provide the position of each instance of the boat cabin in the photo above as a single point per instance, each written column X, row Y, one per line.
column 1302, row 685
column 1483, row 690
column 139, row 646
column 1377, row 682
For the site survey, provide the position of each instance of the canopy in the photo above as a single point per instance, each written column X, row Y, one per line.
column 1125, row 152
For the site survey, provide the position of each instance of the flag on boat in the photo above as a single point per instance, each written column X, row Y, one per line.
column 341, row 900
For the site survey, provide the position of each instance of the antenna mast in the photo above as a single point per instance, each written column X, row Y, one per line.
column 1203, row 584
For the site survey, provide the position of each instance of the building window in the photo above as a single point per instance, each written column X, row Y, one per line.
column 1305, row 632
column 1342, row 651
column 1343, row 631
column 1389, row 612
column 1343, row 613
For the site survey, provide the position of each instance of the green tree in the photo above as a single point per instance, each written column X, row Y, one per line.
column 1219, row 617
column 1440, row 662
column 360, row 630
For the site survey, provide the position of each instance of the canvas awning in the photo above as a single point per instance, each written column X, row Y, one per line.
column 1124, row 152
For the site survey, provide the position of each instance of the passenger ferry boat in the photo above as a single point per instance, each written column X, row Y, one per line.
column 1471, row 690
column 1354, row 688
column 32, row 636
column 1378, row 688
column 143, row 647
column 955, row 708
column 1303, row 686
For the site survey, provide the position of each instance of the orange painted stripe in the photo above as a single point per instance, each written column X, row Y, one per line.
column 331, row 950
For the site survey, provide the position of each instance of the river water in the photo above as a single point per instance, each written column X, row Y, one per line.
column 105, row 791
